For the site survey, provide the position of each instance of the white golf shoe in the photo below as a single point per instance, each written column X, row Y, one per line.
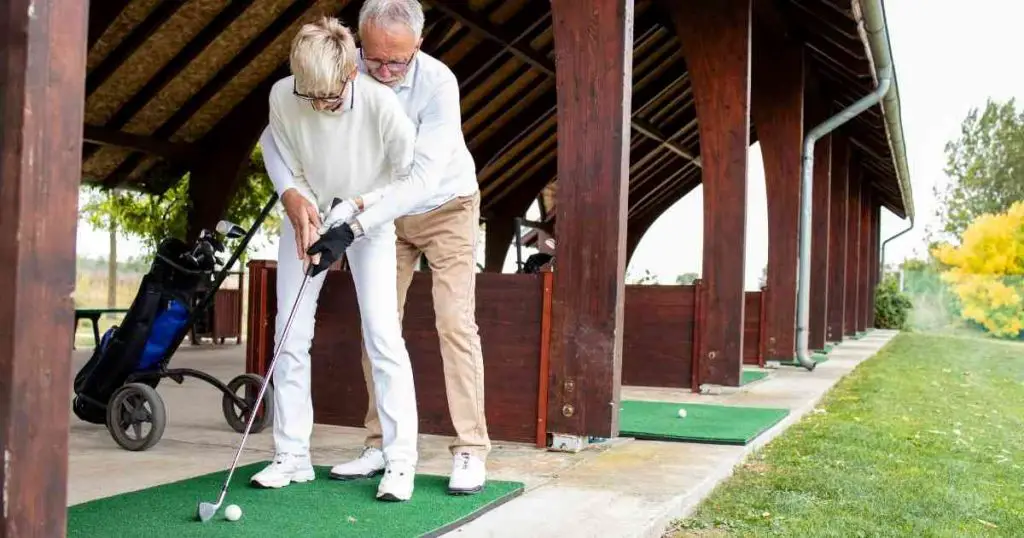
column 468, row 474
column 397, row 483
column 285, row 469
column 369, row 464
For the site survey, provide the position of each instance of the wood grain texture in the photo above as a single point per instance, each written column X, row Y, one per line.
column 838, row 195
column 716, row 41
column 753, row 328
column 865, row 306
column 777, row 109
column 544, row 370
column 852, row 248
column 42, row 83
column 817, row 112
column 594, row 51
column 657, row 348
column 509, row 315
column 876, row 269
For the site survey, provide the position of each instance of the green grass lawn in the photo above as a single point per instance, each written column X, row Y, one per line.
column 925, row 439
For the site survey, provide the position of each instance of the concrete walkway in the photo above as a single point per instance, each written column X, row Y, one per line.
column 621, row 488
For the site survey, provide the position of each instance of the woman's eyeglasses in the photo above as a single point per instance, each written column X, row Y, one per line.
column 326, row 99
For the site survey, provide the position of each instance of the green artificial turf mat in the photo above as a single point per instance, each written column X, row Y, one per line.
column 749, row 376
column 323, row 507
column 704, row 423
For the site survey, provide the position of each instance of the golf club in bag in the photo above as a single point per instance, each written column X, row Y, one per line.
column 117, row 386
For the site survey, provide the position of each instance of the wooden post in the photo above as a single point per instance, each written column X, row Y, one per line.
column 594, row 49
column 852, row 248
column 876, row 275
column 499, row 233
column 715, row 36
column 820, row 255
column 778, row 113
column 837, row 239
column 42, row 83
column 865, row 306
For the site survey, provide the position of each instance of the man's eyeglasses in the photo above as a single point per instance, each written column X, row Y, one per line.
column 394, row 67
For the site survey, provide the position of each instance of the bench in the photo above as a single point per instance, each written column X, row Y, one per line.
column 93, row 315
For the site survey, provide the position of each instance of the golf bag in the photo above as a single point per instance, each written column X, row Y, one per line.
column 155, row 323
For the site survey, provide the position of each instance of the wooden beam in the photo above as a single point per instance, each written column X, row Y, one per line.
column 594, row 47
column 838, row 196
column 242, row 60
column 876, row 275
column 42, row 76
column 852, row 246
column 138, row 35
column 778, row 113
column 104, row 136
column 715, row 35
column 101, row 16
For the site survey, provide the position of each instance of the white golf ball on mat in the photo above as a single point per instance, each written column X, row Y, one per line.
column 233, row 512
column 682, row 413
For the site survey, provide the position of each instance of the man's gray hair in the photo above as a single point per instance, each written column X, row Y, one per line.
column 384, row 12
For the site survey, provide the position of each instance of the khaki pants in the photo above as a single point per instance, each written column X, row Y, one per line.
column 448, row 237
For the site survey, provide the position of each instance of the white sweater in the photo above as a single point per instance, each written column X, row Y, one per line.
column 443, row 167
column 364, row 145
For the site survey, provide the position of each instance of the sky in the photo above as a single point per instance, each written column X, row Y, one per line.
column 950, row 56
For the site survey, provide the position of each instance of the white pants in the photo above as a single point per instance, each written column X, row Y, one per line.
column 371, row 259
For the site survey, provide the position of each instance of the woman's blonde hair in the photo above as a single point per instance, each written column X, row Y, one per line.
column 322, row 58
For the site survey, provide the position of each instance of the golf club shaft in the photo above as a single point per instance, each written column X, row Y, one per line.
column 263, row 387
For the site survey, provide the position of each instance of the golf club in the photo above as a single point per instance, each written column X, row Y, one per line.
column 208, row 510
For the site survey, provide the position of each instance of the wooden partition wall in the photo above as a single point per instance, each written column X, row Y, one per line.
column 510, row 312
column 513, row 313
column 661, row 327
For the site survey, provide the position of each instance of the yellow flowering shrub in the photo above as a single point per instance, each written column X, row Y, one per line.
column 987, row 271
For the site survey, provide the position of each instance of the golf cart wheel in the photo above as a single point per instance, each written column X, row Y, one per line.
column 136, row 416
column 238, row 417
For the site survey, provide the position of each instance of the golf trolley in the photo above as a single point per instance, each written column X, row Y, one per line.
column 117, row 386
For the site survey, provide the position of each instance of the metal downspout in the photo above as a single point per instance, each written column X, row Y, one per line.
column 881, row 265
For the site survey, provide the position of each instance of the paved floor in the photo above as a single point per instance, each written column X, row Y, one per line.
column 622, row 488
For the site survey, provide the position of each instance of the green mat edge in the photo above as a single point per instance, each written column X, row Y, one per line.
column 444, row 529
column 476, row 514
column 703, row 440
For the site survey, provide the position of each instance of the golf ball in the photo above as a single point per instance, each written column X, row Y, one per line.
column 682, row 413
column 233, row 512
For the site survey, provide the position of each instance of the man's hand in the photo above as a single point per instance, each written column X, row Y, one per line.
column 305, row 219
column 341, row 211
column 330, row 247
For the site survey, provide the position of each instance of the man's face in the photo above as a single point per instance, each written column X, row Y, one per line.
column 388, row 51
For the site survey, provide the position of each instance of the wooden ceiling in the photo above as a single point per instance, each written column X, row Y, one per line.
column 164, row 73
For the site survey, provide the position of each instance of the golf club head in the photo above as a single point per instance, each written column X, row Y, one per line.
column 206, row 511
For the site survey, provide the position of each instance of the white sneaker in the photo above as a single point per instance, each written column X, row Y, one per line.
column 468, row 474
column 285, row 469
column 368, row 465
column 397, row 484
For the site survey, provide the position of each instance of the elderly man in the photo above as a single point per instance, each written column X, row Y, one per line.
column 437, row 209
column 337, row 135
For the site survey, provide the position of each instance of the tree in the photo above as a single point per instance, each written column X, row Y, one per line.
column 154, row 217
column 987, row 272
column 687, row 279
column 985, row 166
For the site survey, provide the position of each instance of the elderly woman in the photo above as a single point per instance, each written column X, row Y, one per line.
column 338, row 135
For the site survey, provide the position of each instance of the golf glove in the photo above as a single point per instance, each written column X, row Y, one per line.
column 341, row 211
column 331, row 246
